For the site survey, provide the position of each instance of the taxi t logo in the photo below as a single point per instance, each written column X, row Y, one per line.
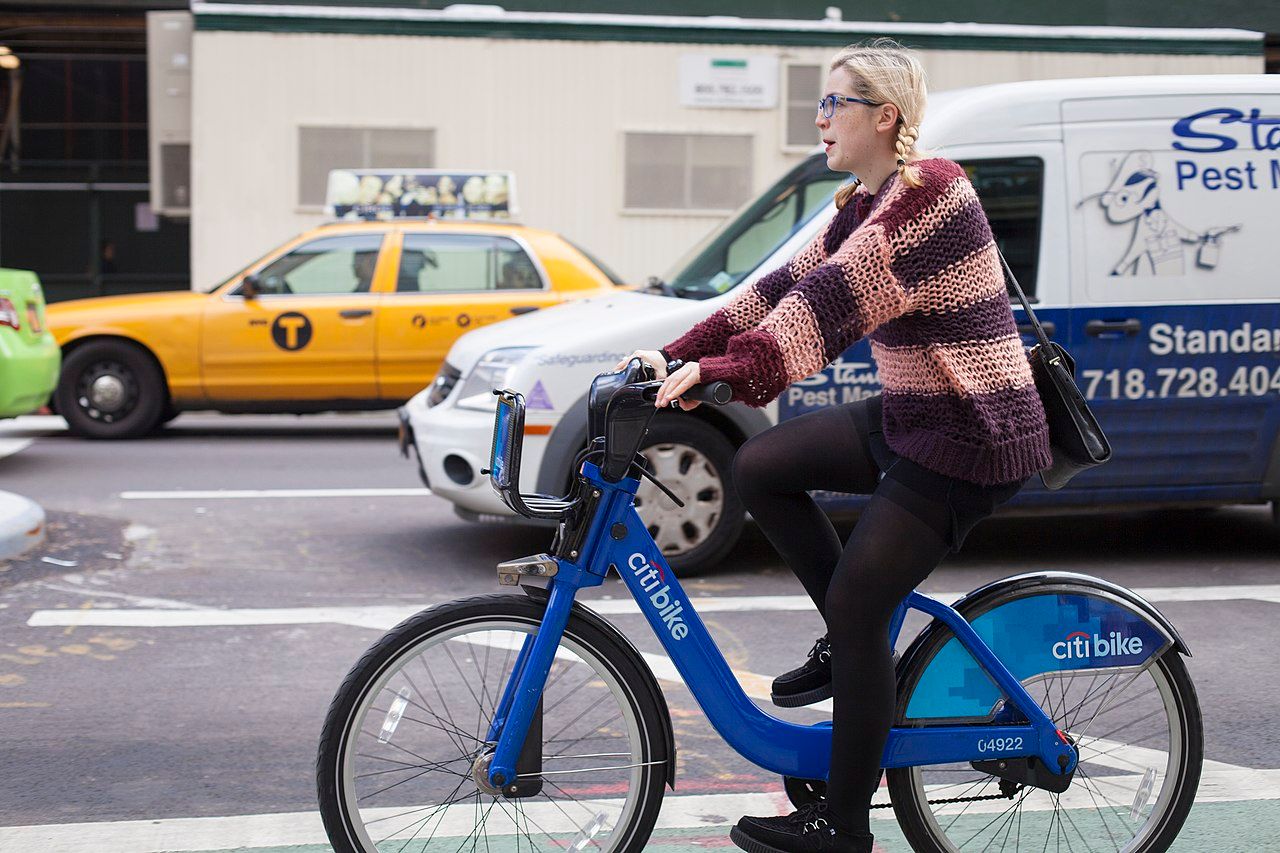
column 291, row 331
column 667, row 606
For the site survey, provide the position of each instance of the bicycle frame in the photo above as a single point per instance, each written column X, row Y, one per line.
column 619, row 540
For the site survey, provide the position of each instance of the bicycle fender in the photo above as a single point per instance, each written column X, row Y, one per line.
column 1078, row 623
column 650, row 683
column 1030, row 579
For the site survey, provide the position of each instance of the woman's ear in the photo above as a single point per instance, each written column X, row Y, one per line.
column 888, row 118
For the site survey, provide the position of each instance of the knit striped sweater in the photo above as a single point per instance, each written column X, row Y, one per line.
column 915, row 269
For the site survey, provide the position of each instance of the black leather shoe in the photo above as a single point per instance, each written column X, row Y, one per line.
column 803, row 831
column 806, row 684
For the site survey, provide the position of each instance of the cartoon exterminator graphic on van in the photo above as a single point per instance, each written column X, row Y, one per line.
column 1156, row 244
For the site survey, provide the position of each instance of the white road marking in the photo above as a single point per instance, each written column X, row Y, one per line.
column 243, row 494
column 10, row 446
column 385, row 616
column 33, row 426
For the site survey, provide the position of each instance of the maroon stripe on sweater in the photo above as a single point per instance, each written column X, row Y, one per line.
column 990, row 318
column 958, row 237
column 936, row 175
column 985, row 438
column 830, row 298
column 765, row 376
column 842, row 225
column 775, row 285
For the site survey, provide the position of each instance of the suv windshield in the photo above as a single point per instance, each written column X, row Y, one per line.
column 751, row 235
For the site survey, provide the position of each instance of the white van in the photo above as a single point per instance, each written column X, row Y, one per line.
column 1138, row 213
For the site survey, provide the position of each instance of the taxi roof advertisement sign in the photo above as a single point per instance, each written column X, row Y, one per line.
column 439, row 193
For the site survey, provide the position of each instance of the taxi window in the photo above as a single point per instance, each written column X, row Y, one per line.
column 1012, row 191
column 329, row 265
column 438, row 263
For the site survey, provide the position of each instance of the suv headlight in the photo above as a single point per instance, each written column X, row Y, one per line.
column 489, row 373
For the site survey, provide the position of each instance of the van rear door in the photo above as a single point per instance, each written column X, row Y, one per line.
column 1175, row 325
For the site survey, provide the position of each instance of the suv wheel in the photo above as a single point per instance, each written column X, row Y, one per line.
column 110, row 389
column 694, row 460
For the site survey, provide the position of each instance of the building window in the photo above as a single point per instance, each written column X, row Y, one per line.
column 323, row 148
column 685, row 171
column 803, row 87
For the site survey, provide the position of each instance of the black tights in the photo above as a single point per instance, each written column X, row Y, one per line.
column 899, row 539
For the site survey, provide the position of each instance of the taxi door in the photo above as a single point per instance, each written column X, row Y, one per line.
column 1175, row 318
column 447, row 284
column 308, row 334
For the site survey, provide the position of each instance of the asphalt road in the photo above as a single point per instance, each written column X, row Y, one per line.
column 144, row 725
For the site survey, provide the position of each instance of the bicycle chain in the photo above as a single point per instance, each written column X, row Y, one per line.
column 1008, row 796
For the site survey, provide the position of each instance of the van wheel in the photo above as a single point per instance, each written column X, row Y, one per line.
column 110, row 389
column 694, row 460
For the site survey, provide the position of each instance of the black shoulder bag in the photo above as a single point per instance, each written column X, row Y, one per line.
column 1075, row 439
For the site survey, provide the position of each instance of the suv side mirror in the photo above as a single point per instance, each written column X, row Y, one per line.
column 249, row 287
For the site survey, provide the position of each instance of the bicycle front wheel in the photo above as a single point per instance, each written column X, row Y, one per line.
column 403, row 756
column 1140, row 738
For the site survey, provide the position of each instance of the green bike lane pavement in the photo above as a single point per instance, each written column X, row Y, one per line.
column 687, row 823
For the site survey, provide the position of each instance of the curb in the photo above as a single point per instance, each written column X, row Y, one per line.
column 21, row 525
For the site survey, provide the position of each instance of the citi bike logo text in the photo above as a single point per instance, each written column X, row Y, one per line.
column 1078, row 645
column 668, row 607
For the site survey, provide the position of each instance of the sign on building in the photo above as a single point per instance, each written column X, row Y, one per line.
column 743, row 82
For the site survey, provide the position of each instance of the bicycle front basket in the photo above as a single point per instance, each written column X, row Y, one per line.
column 508, row 435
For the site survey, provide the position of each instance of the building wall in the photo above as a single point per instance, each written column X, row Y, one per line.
column 553, row 112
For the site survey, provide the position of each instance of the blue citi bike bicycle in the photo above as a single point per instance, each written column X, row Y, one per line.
column 1049, row 710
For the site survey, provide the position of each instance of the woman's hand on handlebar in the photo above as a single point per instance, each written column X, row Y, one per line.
column 651, row 357
column 677, row 383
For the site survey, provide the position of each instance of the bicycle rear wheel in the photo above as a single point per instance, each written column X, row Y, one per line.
column 403, row 752
column 1140, row 737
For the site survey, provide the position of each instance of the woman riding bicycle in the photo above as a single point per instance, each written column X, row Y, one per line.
column 908, row 261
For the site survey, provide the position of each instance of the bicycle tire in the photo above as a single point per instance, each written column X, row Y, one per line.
column 610, row 664
column 922, row 825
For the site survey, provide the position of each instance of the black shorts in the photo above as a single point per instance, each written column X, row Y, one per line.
column 914, row 487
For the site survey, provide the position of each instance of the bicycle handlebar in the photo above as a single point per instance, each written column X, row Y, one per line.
column 716, row 393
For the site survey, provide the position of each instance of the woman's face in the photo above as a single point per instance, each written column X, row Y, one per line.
column 852, row 135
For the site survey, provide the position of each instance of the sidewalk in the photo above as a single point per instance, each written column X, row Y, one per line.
column 21, row 525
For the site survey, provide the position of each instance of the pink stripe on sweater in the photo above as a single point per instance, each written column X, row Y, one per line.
column 810, row 256
column 747, row 309
column 971, row 367
column 796, row 331
column 864, row 260
column 960, row 285
column 916, row 231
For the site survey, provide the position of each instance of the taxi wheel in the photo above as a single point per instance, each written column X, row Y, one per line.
column 694, row 460
column 110, row 389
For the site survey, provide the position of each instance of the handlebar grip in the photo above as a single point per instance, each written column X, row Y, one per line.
column 715, row 393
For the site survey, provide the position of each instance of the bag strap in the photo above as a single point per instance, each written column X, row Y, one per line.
column 1026, row 306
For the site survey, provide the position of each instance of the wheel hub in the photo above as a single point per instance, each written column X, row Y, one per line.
column 107, row 393
column 480, row 772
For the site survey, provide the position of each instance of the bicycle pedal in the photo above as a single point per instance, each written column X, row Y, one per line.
column 536, row 565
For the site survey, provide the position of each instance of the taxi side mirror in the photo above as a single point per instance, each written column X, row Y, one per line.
column 249, row 287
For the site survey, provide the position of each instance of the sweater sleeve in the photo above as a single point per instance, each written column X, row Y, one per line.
column 752, row 304
column 840, row 300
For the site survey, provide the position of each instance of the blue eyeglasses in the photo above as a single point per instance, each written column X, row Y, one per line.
column 827, row 106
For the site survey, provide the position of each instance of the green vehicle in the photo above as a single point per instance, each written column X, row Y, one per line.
column 29, row 356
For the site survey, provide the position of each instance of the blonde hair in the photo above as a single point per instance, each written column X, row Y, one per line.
column 886, row 72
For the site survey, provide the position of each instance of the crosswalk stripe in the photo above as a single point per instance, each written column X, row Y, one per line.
column 385, row 616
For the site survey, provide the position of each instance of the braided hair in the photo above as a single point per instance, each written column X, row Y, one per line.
column 884, row 71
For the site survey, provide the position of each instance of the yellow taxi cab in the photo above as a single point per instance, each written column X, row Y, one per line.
column 348, row 316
